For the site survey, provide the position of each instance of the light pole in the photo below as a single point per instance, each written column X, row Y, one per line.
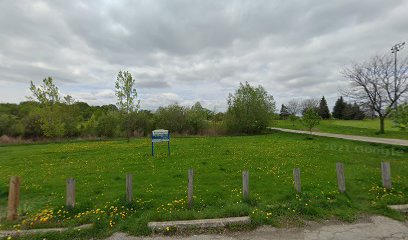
column 397, row 47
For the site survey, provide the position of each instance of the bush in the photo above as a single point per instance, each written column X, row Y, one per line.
column 141, row 123
column 51, row 121
column 32, row 124
column 172, row 118
column 401, row 118
column 71, row 119
column 197, row 119
column 10, row 125
column 249, row 110
column 107, row 125
column 89, row 128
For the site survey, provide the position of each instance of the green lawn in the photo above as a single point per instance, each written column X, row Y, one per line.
column 160, row 183
column 368, row 127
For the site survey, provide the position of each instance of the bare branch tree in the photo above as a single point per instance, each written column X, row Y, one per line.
column 372, row 84
column 293, row 107
column 311, row 103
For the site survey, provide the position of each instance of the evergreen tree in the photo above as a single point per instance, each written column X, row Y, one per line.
column 352, row 112
column 324, row 111
column 338, row 109
column 358, row 114
column 348, row 112
column 284, row 113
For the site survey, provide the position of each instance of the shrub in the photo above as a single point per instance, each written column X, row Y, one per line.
column 249, row 109
column 401, row 118
column 108, row 124
column 172, row 118
column 197, row 118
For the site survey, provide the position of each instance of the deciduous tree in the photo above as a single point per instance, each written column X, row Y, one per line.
column 197, row 118
column 309, row 103
column 48, row 96
column 249, row 109
column 372, row 84
column 127, row 98
column 294, row 107
column 311, row 119
column 172, row 118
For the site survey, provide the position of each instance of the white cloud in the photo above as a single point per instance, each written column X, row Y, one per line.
column 103, row 96
column 152, row 101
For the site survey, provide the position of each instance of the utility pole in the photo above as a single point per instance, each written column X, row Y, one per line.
column 397, row 47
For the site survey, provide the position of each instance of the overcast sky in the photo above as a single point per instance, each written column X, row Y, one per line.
column 187, row 51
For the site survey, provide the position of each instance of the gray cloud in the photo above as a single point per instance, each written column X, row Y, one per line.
column 189, row 51
column 152, row 84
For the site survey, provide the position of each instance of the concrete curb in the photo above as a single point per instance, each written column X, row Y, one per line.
column 13, row 233
column 202, row 223
column 399, row 208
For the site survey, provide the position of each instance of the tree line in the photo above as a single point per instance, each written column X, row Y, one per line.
column 376, row 86
column 341, row 109
column 49, row 115
column 31, row 119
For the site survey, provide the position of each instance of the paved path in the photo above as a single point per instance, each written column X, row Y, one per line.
column 391, row 141
column 373, row 228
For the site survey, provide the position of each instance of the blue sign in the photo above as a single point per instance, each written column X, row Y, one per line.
column 161, row 135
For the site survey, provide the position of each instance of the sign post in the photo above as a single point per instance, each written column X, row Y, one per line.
column 161, row 135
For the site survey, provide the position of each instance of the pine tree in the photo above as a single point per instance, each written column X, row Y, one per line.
column 324, row 111
column 357, row 112
column 351, row 112
column 284, row 113
column 348, row 112
column 338, row 109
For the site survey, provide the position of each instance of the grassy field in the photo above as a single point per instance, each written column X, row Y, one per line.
column 368, row 127
column 160, row 183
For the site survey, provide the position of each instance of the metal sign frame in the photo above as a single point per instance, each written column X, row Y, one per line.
column 161, row 135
